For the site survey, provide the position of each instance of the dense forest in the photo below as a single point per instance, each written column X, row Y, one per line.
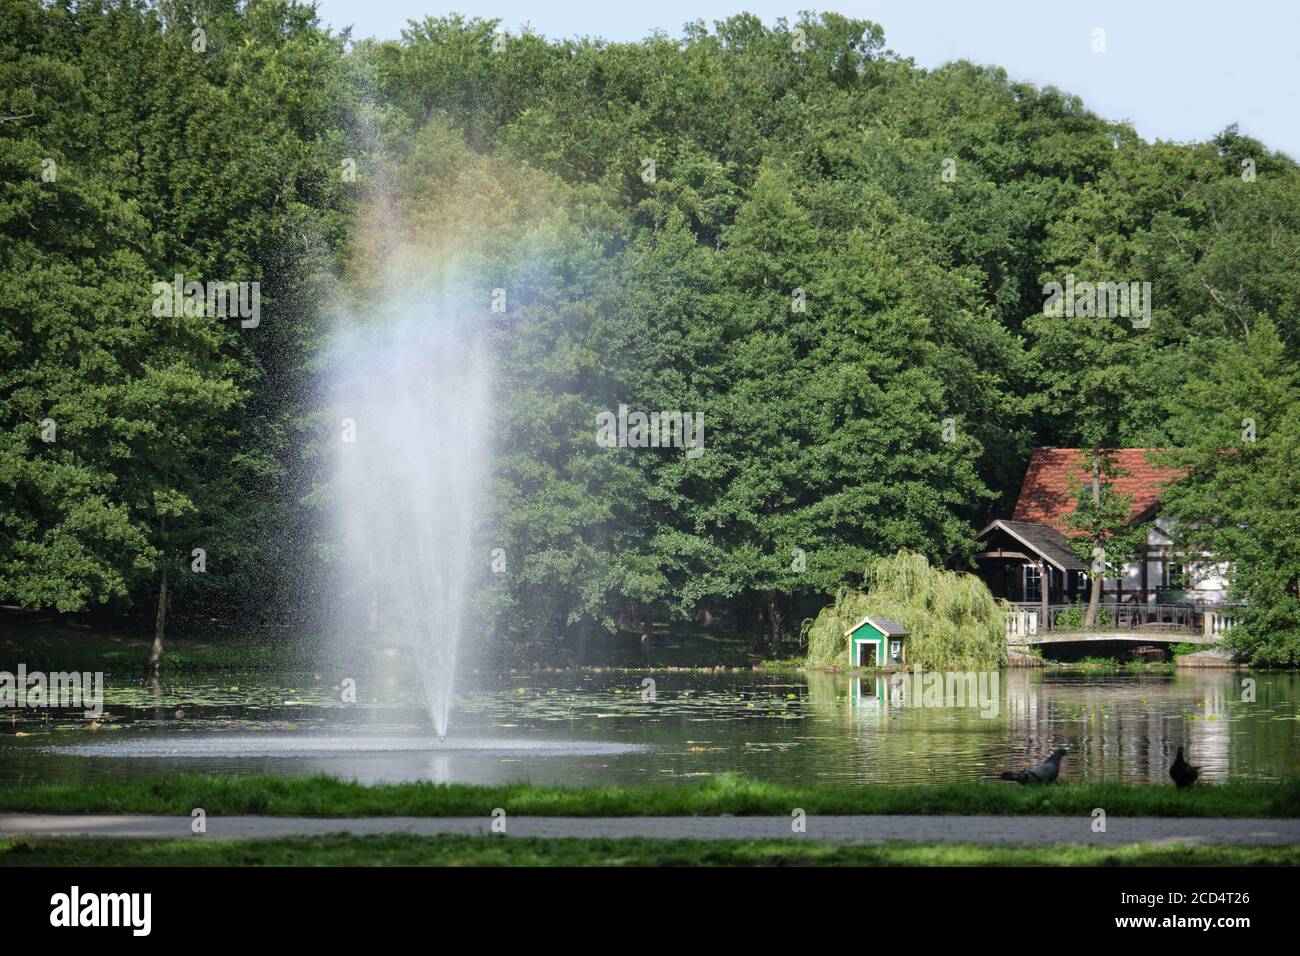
column 834, row 256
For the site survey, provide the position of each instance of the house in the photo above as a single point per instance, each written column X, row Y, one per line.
column 1028, row 559
column 876, row 642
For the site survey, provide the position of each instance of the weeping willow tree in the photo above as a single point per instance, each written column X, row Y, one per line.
column 953, row 620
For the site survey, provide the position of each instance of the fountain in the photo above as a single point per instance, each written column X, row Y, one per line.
column 410, row 388
column 406, row 433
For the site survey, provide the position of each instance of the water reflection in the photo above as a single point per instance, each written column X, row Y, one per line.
column 583, row 728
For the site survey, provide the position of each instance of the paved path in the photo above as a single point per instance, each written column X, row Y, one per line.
column 833, row 829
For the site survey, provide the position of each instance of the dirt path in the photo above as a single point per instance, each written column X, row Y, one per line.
column 1030, row 831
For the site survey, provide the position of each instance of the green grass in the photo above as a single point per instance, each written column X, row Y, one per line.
column 54, row 644
column 50, row 646
column 50, row 643
column 328, row 796
column 406, row 850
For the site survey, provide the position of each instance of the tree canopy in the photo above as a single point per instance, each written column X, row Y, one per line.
column 838, row 258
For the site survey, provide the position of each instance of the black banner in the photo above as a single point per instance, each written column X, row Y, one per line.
column 738, row 905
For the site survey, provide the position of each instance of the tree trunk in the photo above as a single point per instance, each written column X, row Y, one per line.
column 159, row 625
column 753, row 611
column 1096, row 579
column 775, row 622
column 1043, row 597
column 581, row 660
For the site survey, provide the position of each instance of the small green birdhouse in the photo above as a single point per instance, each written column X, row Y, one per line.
column 877, row 642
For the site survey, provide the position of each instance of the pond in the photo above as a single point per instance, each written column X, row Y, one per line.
column 577, row 728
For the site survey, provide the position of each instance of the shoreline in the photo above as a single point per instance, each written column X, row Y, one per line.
column 324, row 796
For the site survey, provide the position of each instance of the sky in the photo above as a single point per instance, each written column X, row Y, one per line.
column 1179, row 70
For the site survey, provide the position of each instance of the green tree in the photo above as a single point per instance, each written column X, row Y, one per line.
column 1107, row 538
column 1238, row 509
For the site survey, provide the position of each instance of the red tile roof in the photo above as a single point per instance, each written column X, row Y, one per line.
column 1054, row 476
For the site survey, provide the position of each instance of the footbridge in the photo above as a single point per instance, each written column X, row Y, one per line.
column 1033, row 625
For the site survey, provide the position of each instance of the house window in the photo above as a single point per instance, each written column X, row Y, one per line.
column 1033, row 583
column 896, row 650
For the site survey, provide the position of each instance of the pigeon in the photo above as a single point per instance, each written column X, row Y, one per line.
column 1045, row 772
column 1183, row 773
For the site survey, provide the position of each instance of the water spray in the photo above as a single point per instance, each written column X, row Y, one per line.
column 410, row 388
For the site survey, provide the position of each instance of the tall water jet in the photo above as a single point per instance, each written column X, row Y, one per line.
column 409, row 384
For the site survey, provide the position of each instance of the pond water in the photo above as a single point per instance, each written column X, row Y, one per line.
column 578, row 728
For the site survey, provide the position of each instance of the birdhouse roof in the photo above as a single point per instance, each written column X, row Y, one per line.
column 882, row 624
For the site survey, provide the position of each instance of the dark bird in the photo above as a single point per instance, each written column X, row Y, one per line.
column 1045, row 772
column 1183, row 773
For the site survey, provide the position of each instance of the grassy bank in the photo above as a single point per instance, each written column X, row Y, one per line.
column 51, row 643
column 408, row 850
column 48, row 644
column 327, row 796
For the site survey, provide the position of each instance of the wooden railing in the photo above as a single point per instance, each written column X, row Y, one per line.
column 1027, row 618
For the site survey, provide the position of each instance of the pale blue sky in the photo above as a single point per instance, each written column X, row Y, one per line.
column 1177, row 69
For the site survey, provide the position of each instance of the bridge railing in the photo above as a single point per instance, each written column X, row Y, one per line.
column 1110, row 617
column 1021, row 623
column 1218, row 621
